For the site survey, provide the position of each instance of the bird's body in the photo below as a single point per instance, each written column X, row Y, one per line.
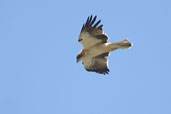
column 96, row 48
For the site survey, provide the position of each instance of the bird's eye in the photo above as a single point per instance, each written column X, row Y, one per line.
column 80, row 40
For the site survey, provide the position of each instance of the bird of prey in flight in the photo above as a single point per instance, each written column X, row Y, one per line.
column 95, row 46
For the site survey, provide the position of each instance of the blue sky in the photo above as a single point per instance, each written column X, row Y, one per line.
column 38, row 48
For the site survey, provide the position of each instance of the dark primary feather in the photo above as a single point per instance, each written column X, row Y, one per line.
column 93, row 21
column 88, row 26
column 97, row 24
column 93, row 28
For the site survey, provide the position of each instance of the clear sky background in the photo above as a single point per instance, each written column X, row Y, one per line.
column 38, row 48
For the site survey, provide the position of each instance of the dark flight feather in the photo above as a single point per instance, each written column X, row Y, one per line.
column 92, row 28
column 99, row 64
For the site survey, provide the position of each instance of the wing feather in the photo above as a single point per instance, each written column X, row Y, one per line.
column 96, row 24
column 97, row 64
column 91, row 33
column 102, row 37
column 93, row 21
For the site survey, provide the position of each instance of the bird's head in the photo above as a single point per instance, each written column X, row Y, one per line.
column 80, row 39
column 78, row 58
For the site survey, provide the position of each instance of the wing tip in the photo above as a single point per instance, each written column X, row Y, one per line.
column 104, row 71
column 90, row 22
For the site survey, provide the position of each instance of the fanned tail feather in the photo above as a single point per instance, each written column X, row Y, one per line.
column 125, row 44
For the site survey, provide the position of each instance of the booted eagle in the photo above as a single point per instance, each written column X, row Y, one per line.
column 95, row 46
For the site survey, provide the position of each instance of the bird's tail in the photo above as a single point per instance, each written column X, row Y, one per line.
column 125, row 44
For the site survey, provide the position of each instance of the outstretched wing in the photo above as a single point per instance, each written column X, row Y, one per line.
column 97, row 64
column 92, row 33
